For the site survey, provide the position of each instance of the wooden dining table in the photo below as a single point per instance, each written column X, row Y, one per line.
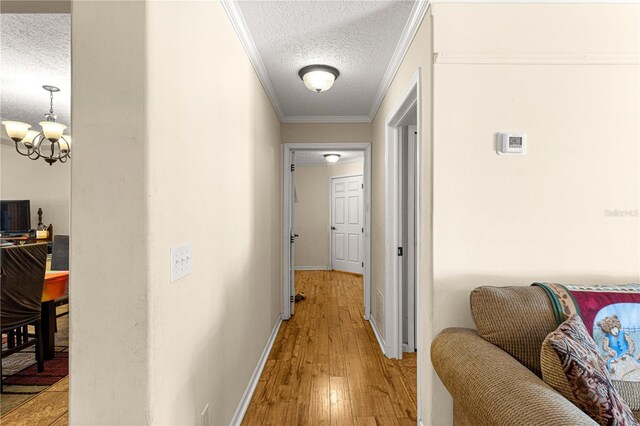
column 56, row 285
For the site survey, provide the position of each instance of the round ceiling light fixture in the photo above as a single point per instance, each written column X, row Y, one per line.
column 332, row 158
column 318, row 78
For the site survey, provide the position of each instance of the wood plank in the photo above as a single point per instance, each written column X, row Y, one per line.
column 60, row 386
column 62, row 420
column 44, row 409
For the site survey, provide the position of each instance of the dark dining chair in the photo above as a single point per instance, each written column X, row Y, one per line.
column 22, row 271
column 60, row 262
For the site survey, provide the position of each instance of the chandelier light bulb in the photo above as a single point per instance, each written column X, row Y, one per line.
column 16, row 130
column 318, row 78
column 332, row 158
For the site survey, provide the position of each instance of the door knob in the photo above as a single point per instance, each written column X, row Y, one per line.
column 333, row 228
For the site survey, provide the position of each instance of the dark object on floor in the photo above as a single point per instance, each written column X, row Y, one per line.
column 300, row 297
column 22, row 269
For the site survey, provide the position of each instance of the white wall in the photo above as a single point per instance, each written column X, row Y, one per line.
column 325, row 132
column 312, row 216
column 420, row 54
column 223, row 195
column 145, row 350
column 109, row 363
column 47, row 187
column 514, row 220
column 503, row 220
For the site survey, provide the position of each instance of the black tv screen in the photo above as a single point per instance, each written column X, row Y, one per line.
column 15, row 216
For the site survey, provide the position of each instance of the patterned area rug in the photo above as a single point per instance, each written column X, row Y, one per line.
column 20, row 375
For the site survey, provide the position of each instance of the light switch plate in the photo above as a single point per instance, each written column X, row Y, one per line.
column 181, row 261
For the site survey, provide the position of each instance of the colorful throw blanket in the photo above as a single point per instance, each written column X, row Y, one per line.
column 612, row 316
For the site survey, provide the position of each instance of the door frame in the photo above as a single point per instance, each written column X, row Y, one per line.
column 331, row 214
column 286, row 202
column 393, row 290
column 410, row 243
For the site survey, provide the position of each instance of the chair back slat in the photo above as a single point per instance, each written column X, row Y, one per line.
column 22, row 272
column 60, row 253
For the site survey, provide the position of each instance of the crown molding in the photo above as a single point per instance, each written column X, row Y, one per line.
column 234, row 13
column 408, row 33
column 326, row 119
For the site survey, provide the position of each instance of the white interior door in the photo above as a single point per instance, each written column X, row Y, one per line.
column 347, row 224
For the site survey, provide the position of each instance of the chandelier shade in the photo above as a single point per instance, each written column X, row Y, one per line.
column 50, row 144
column 16, row 130
column 52, row 130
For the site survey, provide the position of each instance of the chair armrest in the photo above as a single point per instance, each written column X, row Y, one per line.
column 491, row 388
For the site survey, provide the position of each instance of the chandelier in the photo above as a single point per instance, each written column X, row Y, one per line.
column 49, row 144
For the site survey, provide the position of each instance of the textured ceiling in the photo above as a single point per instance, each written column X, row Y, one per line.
column 357, row 37
column 35, row 49
column 317, row 157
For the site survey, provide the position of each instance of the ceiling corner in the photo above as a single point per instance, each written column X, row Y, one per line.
column 408, row 33
column 242, row 30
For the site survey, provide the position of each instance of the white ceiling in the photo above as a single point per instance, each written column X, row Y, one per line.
column 317, row 157
column 35, row 49
column 359, row 38
column 365, row 40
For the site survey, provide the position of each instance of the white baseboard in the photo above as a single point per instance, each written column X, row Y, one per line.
column 312, row 268
column 381, row 342
column 236, row 420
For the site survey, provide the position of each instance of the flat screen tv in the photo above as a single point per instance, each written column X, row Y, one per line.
column 15, row 216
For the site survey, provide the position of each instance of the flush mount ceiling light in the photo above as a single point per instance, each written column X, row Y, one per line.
column 332, row 158
column 32, row 144
column 318, row 78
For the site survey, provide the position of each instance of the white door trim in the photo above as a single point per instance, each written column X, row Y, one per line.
column 393, row 295
column 286, row 201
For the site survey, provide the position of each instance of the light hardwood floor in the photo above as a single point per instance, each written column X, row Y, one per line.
column 47, row 408
column 326, row 366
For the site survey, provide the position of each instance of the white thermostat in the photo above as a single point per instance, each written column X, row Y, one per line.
column 511, row 143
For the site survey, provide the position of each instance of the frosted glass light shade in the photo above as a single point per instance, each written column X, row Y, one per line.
column 16, row 130
column 65, row 143
column 318, row 78
column 318, row 81
column 28, row 139
column 332, row 158
column 52, row 130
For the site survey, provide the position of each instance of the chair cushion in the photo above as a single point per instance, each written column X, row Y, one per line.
column 516, row 319
column 571, row 363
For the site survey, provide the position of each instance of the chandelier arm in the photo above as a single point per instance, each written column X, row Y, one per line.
column 20, row 152
column 34, row 155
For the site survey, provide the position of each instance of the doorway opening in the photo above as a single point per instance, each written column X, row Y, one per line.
column 402, row 223
column 333, row 201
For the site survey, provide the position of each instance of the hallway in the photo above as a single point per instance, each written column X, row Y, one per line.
column 326, row 366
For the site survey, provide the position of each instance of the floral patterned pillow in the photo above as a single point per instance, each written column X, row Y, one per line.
column 571, row 364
